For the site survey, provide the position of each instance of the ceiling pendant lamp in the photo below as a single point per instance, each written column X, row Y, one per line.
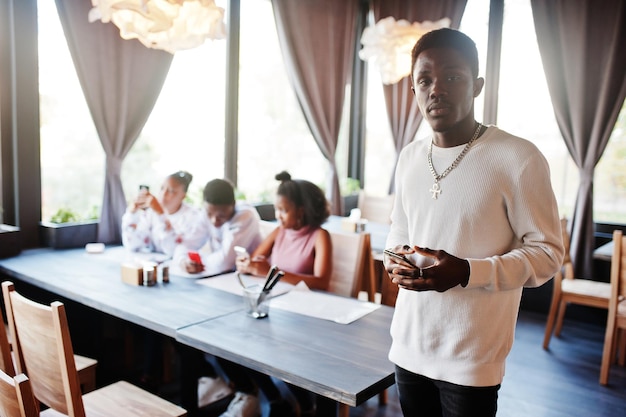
column 170, row 25
column 388, row 44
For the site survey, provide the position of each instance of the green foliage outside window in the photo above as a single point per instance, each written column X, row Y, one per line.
column 67, row 215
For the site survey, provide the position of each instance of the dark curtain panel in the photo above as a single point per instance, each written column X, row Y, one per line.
column 404, row 116
column 121, row 80
column 317, row 42
column 583, row 49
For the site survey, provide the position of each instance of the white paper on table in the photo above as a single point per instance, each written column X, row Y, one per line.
column 123, row 255
column 151, row 257
column 228, row 282
column 177, row 271
column 322, row 305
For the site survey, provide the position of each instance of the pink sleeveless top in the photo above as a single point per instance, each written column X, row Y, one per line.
column 294, row 250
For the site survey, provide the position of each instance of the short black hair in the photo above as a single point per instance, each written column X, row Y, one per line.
column 447, row 38
column 307, row 195
column 182, row 177
column 219, row 192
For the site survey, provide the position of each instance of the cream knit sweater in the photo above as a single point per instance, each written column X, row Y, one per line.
column 497, row 209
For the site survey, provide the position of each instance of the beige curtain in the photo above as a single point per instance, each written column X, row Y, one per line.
column 583, row 49
column 121, row 80
column 317, row 42
column 404, row 116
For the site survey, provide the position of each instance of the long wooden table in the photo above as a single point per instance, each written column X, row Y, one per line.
column 344, row 363
column 94, row 280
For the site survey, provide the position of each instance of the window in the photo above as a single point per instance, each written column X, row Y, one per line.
column 273, row 133
column 184, row 131
column 475, row 23
column 186, row 128
column 525, row 107
column 380, row 151
column 609, row 186
column 72, row 159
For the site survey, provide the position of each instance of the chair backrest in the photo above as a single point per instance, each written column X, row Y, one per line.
column 616, row 318
column 16, row 397
column 618, row 269
column 351, row 255
column 374, row 208
column 6, row 360
column 566, row 240
column 567, row 267
column 266, row 211
column 266, row 227
column 41, row 340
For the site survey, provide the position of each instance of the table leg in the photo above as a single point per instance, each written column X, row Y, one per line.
column 344, row 410
column 190, row 365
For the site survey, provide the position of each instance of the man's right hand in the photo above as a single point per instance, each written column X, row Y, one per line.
column 192, row 267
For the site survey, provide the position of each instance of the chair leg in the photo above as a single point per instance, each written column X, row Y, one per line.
column 554, row 306
column 621, row 347
column 129, row 348
column 609, row 339
column 560, row 317
column 614, row 346
column 168, row 357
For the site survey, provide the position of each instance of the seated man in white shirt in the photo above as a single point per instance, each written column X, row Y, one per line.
column 227, row 224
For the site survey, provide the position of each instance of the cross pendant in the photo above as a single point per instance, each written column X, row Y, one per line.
column 435, row 190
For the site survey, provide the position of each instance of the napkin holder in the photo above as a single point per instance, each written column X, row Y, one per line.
column 353, row 223
column 132, row 273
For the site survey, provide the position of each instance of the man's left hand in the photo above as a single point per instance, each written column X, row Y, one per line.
column 446, row 272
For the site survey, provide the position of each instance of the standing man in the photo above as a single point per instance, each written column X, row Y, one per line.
column 475, row 210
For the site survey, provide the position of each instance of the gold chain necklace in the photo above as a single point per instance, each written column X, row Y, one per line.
column 436, row 188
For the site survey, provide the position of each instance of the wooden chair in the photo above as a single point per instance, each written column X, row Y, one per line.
column 41, row 336
column 374, row 208
column 85, row 366
column 389, row 290
column 266, row 211
column 616, row 320
column 568, row 289
column 16, row 397
column 266, row 227
column 6, row 359
column 352, row 263
column 352, row 269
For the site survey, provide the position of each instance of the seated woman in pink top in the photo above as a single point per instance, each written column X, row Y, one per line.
column 298, row 246
column 303, row 250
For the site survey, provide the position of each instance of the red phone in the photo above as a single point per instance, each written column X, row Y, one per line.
column 195, row 257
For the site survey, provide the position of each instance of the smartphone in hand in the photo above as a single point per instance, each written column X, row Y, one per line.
column 399, row 257
column 142, row 198
column 241, row 252
column 195, row 257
